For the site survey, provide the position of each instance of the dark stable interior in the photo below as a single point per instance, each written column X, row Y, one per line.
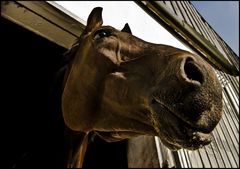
column 33, row 128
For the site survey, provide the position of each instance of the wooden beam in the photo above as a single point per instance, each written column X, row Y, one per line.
column 43, row 19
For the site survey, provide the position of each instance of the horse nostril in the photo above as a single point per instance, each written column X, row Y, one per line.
column 192, row 71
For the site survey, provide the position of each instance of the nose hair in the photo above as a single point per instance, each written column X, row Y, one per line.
column 191, row 72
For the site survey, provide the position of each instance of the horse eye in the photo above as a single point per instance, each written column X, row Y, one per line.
column 101, row 34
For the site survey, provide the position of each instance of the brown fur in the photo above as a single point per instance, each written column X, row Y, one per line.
column 121, row 86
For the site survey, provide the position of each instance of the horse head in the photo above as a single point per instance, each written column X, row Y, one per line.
column 120, row 86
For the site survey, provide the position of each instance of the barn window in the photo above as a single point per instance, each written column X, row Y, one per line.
column 56, row 25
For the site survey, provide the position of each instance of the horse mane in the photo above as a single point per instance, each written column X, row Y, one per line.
column 71, row 53
column 64, row 67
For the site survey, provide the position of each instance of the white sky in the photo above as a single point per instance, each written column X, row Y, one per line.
column 117, row 13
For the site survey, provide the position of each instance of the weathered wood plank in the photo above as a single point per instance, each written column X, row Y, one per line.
column 42, row 20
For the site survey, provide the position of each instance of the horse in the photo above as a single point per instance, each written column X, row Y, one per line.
column 118, row 87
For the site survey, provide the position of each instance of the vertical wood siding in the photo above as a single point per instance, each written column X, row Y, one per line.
column 224, row 150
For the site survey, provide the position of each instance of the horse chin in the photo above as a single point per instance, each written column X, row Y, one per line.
column 175, row 133
column 192, row 141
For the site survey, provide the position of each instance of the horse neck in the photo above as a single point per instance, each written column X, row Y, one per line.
column 76, row 146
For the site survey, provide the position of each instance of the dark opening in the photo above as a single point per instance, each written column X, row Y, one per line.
column 33, row 130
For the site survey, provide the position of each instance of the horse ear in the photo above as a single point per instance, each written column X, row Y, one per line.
column 126, row 29
column 94, row 20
